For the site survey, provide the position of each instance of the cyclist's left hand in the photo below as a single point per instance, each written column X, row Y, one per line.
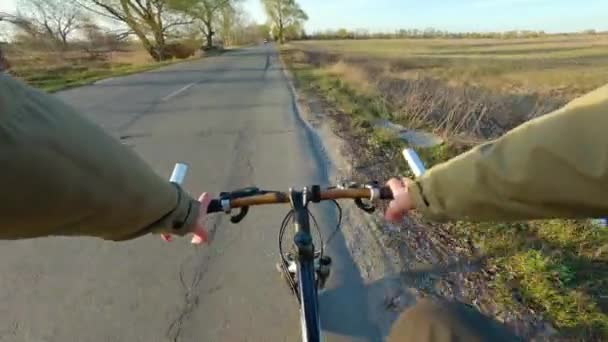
column 199, row 232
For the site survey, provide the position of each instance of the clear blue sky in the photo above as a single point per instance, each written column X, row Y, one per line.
column 452, row 15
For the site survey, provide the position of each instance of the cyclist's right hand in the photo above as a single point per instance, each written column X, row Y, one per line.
column 402, row 202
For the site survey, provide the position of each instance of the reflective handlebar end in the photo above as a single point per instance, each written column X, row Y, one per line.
column 179, row 173
column 414, row 162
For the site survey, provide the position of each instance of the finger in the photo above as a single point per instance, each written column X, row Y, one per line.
column 205, row 199
column 200, row 233
column 393, row 212
column 396, row 185
column 166, row 237
column 200, row 236
column 392, row 217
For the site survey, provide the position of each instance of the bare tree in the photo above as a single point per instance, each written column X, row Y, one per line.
column 286, row 15
column 27, row 32
column 22, row 24
column 236, row 27
column 149, row 20
column 55, row 19
column 228, row 21
column 206, row 11
column 99, row 42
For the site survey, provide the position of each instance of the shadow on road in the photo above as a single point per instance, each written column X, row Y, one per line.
column 343, row 309
column 381, row 301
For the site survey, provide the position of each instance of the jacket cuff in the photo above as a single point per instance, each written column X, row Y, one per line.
column 179, row 221
column 419, row 193
column 182, row 219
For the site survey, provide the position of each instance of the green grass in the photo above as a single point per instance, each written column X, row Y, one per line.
column 363, row 107
column 558, row 268
column 55, row 79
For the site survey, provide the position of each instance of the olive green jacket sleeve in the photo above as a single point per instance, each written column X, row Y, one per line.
column 555, row 166
column 60, row 174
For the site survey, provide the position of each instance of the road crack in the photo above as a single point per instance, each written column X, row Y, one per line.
column 191, row 289
column 191, row 299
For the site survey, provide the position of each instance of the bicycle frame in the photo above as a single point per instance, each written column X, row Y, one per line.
column 305, row 261
column 309, row 301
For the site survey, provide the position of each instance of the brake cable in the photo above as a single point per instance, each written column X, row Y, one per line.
column 333, row 234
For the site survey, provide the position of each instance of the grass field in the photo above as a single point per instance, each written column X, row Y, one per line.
column 53, row 71
column 564, row 65
column 556, row 269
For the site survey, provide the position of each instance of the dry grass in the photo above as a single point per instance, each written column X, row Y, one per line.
column 425, row 102
column 351, row 74
column 53, row 71
column 133, row 57
column 555, row 270
column 564, row 66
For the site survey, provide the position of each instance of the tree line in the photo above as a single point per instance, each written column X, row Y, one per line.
column 159, row 25
column 430, row 33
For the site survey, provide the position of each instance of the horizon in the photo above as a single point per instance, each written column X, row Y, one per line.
column 551, row 16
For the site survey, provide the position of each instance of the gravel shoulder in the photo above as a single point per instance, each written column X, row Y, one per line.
column 415, row 259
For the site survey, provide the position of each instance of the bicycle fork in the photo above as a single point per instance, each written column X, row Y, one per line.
column 304, row 250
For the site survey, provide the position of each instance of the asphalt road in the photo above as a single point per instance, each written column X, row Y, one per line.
column 233, row 119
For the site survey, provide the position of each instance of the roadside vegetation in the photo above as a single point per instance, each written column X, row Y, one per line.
column 468, row 91
column 56, row 44
column 51, row 72
column 551, row 66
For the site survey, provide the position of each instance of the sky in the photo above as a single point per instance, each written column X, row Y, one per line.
column 450, row 15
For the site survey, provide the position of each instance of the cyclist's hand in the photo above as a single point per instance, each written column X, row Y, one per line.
column 402, row 202
column 199, row 232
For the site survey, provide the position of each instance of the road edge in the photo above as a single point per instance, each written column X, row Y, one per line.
column 378, row 264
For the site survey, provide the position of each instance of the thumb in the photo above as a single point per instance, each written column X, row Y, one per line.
column 200, row 233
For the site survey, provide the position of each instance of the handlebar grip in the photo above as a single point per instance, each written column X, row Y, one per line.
column 386, row 193
column 215, row 206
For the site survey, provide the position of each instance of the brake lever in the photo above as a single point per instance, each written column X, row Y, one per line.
column 369, row 207
column 240, row 216
column 240, row 193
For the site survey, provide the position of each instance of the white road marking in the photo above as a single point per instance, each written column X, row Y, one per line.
column 178, row 91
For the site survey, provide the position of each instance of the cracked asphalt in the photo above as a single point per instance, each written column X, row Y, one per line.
column 233, row 119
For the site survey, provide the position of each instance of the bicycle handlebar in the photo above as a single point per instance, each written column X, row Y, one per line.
column 265, row 198
column 257, row 197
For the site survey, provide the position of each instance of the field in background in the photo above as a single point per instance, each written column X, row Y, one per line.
column 471, row 90
column 53, row 71
column 553, row 65
column 477, row 88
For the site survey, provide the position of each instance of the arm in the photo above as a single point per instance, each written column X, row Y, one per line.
column 555, row 166
column 62, row 175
